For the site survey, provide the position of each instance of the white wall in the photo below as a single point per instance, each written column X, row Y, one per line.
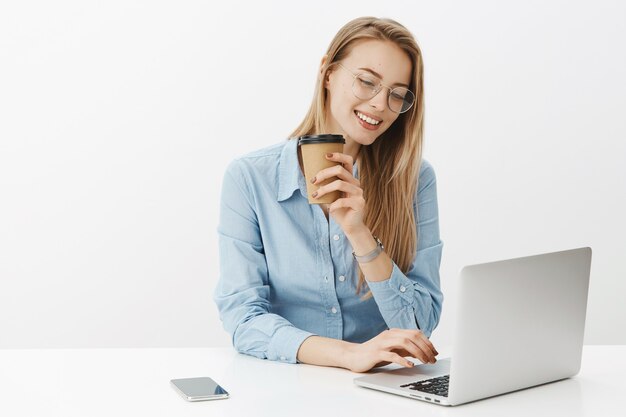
column 118, row 118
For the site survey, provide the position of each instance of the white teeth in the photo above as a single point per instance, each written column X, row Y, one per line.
column 367, row 119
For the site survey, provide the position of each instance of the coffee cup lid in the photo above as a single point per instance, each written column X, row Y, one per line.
column 325, row 138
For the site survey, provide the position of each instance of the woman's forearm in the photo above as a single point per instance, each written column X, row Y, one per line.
column 378, row 269
column 324, row 351
column 389, row 346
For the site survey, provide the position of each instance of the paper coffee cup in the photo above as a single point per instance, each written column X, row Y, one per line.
column 314, row 149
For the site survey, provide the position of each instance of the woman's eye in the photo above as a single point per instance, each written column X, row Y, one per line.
column 397, row 96
column 367, row 82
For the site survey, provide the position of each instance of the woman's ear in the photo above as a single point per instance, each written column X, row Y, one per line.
column 322, row 69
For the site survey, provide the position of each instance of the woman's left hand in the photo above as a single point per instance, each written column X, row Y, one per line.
column 347, row 211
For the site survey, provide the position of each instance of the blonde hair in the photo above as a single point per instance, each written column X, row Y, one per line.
column 389, row 167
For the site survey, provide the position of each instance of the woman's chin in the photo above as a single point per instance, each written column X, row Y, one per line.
column 366, row 140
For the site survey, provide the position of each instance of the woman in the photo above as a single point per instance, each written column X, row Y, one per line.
column 310, row 283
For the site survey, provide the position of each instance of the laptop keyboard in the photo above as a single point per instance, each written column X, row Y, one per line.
column 435, row 386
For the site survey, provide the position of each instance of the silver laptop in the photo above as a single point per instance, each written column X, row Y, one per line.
column 519, row 323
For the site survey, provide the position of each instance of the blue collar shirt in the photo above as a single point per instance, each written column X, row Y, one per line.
column 287, row 273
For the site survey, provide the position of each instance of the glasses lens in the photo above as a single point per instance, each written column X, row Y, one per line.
column 365, row 86
column 401, row 99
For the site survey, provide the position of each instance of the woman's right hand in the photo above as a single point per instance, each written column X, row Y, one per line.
column 391, row 346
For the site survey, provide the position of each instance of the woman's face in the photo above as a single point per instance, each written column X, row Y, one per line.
column 345, row 112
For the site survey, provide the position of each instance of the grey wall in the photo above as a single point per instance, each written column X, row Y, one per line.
column 117, row 120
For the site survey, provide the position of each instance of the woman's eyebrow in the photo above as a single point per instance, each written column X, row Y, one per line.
column 381, row 77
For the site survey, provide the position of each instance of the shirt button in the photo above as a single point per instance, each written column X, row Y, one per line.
column 333, row 310
column 342, row 278
column 402, row 288
column 336, row 237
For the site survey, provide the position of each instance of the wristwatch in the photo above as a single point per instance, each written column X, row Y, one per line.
column 372, row 255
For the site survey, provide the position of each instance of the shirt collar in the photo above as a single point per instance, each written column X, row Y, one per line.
column 289, row 175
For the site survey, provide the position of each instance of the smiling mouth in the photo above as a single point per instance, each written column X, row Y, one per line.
column 367, row 119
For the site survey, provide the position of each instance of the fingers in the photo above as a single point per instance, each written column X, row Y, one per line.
column 425, row 346
column 393, row 346
column 356, row 204
column 339, row 185
column 426, row 354
column 343, row 171
column 415, row 343
column 335, row 172
column 393, row 357
column 346, row 160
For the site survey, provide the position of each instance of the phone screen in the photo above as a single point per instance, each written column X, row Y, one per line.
column 199, row 389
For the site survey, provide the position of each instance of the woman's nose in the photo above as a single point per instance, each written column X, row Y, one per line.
column 379, row 101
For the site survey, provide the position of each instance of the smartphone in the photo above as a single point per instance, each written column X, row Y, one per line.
column 199, row 389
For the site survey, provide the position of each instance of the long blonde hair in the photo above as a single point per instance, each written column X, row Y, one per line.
column 389, row 167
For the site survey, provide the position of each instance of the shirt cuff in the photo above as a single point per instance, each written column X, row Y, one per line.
column 285, row 344
column 393, row 293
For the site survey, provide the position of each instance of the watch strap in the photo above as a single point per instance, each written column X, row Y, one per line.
column 368, row 257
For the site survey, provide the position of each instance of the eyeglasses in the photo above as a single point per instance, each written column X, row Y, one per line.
column 366, row 86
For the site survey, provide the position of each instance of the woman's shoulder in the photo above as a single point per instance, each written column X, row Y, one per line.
column 426, row 183
column 260, row 168
column 427, row 172
column 260, row 159
column 266, row 152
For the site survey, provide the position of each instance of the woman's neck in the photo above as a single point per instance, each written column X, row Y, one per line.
column 352, row 148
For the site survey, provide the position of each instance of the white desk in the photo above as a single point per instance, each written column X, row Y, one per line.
column 124, row 382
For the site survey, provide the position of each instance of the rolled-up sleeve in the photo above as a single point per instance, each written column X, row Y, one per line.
column 242, row 293
column 414, row 300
